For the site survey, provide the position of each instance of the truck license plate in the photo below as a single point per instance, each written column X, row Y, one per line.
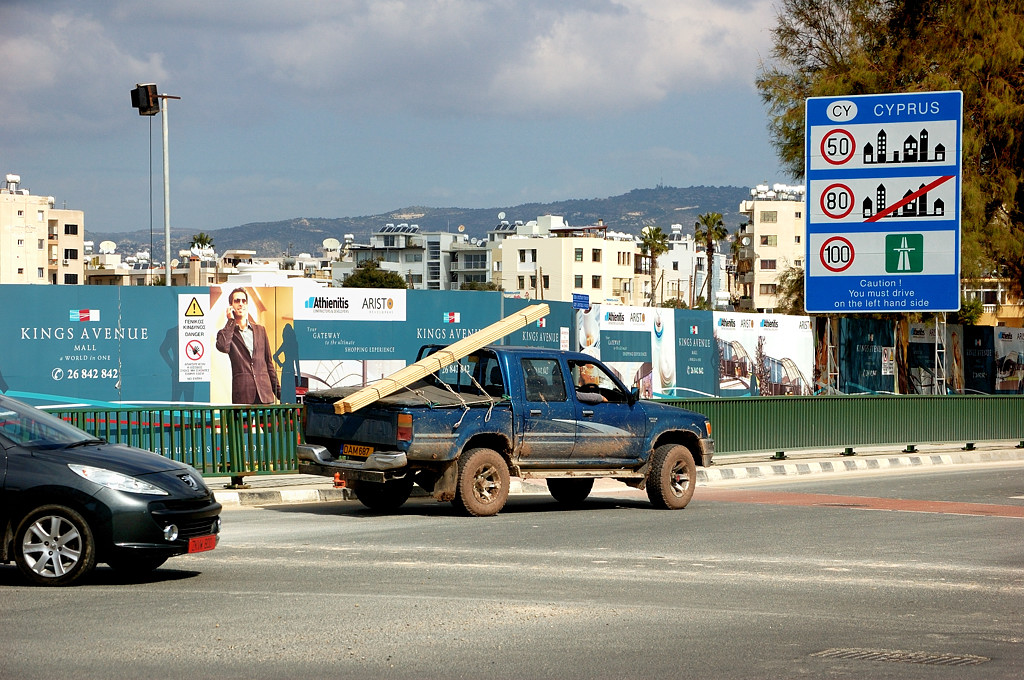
column 356, row 450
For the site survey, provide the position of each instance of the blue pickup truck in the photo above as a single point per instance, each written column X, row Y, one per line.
column 527, row 412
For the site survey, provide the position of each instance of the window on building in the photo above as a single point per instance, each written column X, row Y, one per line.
column 767, row 265
column 40, row 215
column 578, row 255
column 522, row 282
column 416, row 278
column 796, row 239
column 798, row 262
column 768, row 288
column 39, row 273
column 21, row 213
column 769, row 216
column 546, row 280
column 414, row 257
column 140, row 281
column 798, row 214
column 769, row 240
column 474, row 278
column 533, row 282
column 595, row 255
column 433, row 250
column 71, row 279
column 71, row 229
column 698, row 265
column 577, row 281
column 71, row 253
column 595, row 281
column 21, row 270
column 675, row 266
column 474, row 260
column 21, row 242
column 528, row 255
column 41, row 244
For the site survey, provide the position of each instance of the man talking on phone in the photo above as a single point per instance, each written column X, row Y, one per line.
column 253, row 378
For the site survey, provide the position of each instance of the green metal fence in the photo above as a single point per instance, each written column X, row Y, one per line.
column 778, row 424
column 216, row 440
column 246, row 440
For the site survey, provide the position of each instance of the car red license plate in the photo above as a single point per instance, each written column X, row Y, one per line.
column 356, row 450
column 202, row 543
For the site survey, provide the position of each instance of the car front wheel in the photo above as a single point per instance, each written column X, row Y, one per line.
column 672, row 477
column 54, row 546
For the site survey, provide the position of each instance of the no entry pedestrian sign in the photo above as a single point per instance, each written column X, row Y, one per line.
column 883, row 203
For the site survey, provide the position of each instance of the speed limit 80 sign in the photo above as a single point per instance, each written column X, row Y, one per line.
column 883, row 203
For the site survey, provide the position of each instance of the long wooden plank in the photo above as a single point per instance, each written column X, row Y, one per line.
column 439, row 359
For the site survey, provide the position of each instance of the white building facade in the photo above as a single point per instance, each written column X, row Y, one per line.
column 39, row 243
column 772, row 242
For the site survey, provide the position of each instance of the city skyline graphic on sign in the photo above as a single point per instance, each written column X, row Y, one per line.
column 915, row 150
column 910, row 206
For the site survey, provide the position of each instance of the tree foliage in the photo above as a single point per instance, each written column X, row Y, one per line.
column 201, row 240
column 790, row 291
column 710, row 228
column 851, row 47
column 653, row 242
column 368, row 274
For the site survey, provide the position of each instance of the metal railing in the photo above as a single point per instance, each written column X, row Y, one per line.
column 216, row 440
column 779, row 424
column 237, row 441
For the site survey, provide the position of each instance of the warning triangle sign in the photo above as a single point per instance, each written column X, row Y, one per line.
column 194, row 309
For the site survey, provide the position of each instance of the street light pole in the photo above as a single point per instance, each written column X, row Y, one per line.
column 167, row 193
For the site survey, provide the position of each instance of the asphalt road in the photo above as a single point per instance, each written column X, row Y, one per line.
column 782, row 583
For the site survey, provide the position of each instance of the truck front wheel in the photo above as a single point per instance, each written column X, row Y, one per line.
column 672, row 477
column 383, row 497
column 483, row 483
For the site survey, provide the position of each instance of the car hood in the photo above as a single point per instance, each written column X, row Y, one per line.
column 117, row 457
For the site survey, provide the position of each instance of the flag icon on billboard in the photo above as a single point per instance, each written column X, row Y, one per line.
column 452, row 317
column 84, row 315
column 542, row 322
column 693, row 330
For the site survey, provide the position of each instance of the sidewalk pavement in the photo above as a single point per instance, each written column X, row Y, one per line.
column 732, row 468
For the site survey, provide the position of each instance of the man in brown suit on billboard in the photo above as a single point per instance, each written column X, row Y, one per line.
column 253, row 378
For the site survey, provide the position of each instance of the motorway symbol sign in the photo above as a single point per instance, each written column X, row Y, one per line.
column 883, row 203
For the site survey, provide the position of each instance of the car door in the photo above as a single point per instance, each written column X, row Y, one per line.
column 549, row 415
column 611, row 426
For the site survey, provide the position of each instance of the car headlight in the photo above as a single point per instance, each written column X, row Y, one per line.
column 115, row 480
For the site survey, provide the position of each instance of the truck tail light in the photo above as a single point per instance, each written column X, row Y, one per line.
column 405, row 427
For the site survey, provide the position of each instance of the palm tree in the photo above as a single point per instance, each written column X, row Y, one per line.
column 710, row 228
column 653, row 242
column 201, row 240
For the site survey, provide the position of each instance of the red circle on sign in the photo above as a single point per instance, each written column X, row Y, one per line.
column 846, row 210
column 840, row 155
column 194, row 350
column 835, row 247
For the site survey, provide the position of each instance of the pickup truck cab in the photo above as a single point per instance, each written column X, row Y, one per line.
column 527, row 412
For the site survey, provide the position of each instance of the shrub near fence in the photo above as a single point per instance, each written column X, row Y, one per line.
column 216, row 440
column 237, row 441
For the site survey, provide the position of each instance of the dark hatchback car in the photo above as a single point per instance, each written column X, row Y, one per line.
column 69, row 500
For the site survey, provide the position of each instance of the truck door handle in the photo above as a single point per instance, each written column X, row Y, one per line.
column 588, row 413
column 535, row 412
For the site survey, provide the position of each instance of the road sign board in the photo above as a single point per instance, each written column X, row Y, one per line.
column 883, row 203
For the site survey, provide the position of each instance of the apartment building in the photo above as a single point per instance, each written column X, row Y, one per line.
column 683, row 271
column 546, row 259
column 39, row 243
column 772, row 241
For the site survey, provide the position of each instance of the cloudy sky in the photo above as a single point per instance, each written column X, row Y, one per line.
column 316, row 108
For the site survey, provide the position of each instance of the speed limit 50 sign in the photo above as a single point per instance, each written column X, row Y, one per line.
column 883, row 203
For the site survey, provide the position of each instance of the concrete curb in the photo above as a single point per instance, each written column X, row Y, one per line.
column 311, row 489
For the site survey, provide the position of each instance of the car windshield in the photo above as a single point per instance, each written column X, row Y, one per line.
column 29, row 427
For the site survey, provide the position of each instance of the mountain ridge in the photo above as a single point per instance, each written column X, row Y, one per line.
column 660, row 206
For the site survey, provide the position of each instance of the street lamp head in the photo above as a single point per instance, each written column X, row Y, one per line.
column 145, row 99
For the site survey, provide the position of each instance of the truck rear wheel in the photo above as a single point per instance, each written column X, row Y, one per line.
column 483, row 483
column 672, row 477
column 383, row 497
column 570, row 492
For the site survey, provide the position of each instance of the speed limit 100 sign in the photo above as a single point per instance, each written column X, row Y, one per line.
column 836, row 254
